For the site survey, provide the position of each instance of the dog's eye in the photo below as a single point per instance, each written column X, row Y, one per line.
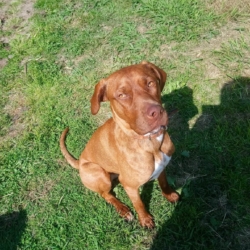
column 122, row 95
column 151, row 84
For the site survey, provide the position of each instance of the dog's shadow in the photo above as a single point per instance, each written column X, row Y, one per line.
column 12, row 226
column 211, row 157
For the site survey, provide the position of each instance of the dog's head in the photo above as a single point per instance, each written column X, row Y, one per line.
column 134, row 93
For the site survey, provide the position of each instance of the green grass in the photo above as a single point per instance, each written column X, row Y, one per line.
column 47, row 84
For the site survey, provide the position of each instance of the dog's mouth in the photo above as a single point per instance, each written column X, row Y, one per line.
column 156, row 131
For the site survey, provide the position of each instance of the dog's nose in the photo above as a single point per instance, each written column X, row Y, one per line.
column 154, row 111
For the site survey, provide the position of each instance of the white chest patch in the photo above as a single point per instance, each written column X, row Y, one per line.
column 159, row 138
column 160, row 165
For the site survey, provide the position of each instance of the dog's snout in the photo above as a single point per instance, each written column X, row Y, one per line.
column 154, row 111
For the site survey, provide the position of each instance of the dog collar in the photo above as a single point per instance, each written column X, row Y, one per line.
column 153, row 134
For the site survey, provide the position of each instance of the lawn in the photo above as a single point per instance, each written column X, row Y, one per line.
column 52, row 53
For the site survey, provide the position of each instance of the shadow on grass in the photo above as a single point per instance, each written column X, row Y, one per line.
column 212, row 164
column 12, row 226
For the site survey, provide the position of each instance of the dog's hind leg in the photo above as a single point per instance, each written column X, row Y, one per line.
column 146, row 220
column 98, row 180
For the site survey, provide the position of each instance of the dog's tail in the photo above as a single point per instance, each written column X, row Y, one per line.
column 70, row 159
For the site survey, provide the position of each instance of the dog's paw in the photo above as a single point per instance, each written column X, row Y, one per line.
column 147, row 221
column 124, row 212
column 172, row 197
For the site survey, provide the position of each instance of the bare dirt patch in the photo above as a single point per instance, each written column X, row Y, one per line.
column 203, row 51
column 238, row 26
column 15, row 20
column 3, row 62
column 232, row 32
column 14, row 16
column 15, row 108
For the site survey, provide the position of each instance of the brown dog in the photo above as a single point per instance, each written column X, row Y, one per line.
column 133, row 144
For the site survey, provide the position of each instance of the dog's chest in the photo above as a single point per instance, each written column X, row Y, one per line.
column 160, row 164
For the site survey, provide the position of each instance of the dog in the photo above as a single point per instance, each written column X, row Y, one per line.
column 133, row 145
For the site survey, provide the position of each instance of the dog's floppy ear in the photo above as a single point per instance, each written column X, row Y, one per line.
column 162, row 75
column 98, row 96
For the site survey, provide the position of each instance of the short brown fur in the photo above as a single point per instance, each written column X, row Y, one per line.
column 126, row 145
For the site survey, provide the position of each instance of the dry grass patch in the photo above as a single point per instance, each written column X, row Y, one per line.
column 222, row 7
column 203, row 51
column 14, row 16
column 39, row 190
column 15, row 108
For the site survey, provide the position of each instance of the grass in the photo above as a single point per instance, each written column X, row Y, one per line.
column 52, row 66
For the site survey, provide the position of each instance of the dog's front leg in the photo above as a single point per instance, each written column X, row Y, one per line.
column 167, row 191
column 146, row 220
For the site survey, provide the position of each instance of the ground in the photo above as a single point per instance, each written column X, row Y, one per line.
column 52, row 55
